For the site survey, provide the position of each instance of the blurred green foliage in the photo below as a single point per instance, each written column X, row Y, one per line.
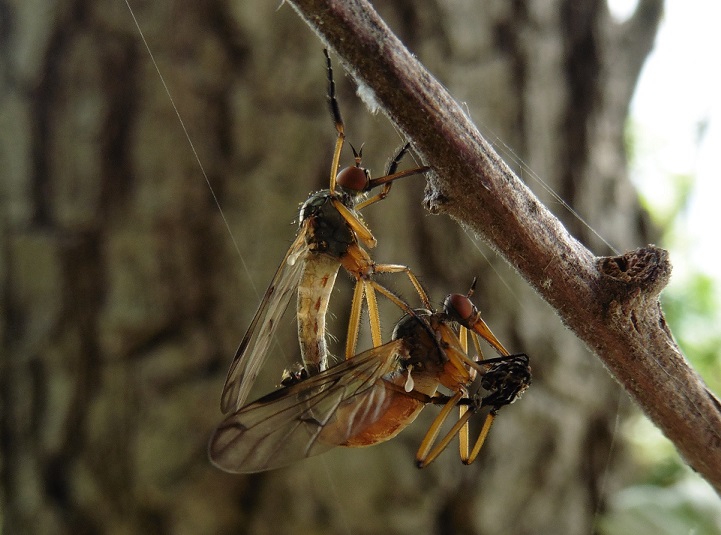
column 668, row 498
column 692, row 310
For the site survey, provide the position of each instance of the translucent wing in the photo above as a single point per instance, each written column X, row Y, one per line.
column 307, row 418
column 253, row 350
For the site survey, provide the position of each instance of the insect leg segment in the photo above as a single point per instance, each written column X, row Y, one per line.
column 354, row 320
column 426, row 452
column 366, row 289
column 386, row 180
column 373, row 314
column 332, row 100
column 506, row 379
column 462, row 361
column 490, row 417
column 463, row 434
column 393, row 164
column 398, row 268
column 359, row 228
column 391, row 175
column 337, row 119
column 393, row 298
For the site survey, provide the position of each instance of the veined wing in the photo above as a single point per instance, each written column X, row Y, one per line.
column 307, row 418
column 253, row 349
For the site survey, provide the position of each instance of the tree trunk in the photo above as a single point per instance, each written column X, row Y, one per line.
column 124, row 296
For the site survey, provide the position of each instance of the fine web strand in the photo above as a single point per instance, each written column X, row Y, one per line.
column 477, row 246
column 526, row 170
column 598, row 512
column 506, row 150
column 328, row 476
column 192, row 148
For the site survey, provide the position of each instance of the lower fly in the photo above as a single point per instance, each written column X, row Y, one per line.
column 366, row 400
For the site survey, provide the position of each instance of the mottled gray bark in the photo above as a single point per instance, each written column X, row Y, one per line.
column 124, row 297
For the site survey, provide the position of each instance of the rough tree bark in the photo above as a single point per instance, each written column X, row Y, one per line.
column 123, row 297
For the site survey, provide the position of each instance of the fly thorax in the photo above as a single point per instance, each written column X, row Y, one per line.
column 328, row 232
column 424, row 351
column 313, row 204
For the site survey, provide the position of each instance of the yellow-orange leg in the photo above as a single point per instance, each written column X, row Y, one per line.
column 363, row 289
column 429, row 449
column 463, row 438
column 357, row 262
column 359, row 228
column 366, row 289
column 463, row 434
column 481, row 437
column 354, row 320
column 427, row 452
column 398, row 268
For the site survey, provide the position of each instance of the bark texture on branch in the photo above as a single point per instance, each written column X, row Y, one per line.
column 625, row 329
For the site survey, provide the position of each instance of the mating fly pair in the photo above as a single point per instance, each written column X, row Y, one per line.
column 372, row 396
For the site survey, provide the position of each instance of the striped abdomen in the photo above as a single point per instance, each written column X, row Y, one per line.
column 314, row 290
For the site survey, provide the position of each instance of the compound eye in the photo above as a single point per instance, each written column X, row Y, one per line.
column 459, row 305
column 352, row 179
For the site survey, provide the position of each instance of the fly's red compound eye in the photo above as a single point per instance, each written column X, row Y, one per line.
column 459, row 305
column 352, row 178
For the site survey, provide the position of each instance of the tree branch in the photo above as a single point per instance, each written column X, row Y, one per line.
column 610, row 303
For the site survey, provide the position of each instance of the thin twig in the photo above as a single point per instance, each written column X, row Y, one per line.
column 610, row 303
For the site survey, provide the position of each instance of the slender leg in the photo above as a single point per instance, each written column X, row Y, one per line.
column 363, row 289
column 337, row 119
column 433, row 430
column 426, row 455
column 397, row 268
column 373, row 314
column 481, row 437
column 389, row 177
column 476, row 345
column 393, row 298
column 354, row 321
column 359, row 228
column 463, row 435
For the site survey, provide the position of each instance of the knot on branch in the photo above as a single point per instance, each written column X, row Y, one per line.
column 434, row 200
column 645, row 271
